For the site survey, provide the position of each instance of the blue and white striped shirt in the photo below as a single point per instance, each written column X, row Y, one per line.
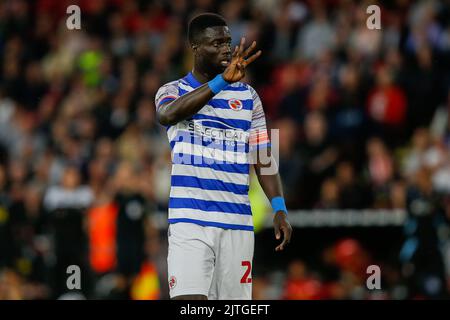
column 210, row 155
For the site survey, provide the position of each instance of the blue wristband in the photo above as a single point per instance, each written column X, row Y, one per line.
column 217, row 84
column 278, row 205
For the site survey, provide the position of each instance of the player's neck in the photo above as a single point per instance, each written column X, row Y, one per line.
column 202, row 76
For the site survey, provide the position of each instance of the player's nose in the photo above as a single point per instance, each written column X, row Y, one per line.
column 227, row 49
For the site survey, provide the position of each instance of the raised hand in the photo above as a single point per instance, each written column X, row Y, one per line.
column 239, row 61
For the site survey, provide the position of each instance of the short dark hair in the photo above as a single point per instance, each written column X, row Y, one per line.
column 202, row 21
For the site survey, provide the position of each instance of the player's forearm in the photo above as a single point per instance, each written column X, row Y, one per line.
column 271, row 185
column 185, row 106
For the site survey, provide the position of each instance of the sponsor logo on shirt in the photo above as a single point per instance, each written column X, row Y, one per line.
column 223, row 134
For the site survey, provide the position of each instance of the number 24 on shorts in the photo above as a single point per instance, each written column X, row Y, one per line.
column 246, row 278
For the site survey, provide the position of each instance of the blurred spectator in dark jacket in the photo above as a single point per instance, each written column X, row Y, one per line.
column 131, row 219
column 348, row 122
column 353, row 194
column 398, row 195
column 318, row 155
column 329, row 195
column 66, row 205
column 286, row 96
column 423, row 265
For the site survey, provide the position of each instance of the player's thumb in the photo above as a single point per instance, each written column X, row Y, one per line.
column 277, row 232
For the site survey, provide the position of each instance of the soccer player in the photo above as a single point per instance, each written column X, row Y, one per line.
column 215, row 125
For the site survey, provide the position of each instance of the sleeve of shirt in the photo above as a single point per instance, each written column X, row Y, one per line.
column 166, row 93
column 259, row 138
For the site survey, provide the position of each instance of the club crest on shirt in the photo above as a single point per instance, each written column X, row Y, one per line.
column 172, row 282
column 235, row 104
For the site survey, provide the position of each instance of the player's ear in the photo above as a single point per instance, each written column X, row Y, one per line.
column 195, row 47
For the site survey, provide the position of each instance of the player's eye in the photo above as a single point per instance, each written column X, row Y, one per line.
column 217, row 44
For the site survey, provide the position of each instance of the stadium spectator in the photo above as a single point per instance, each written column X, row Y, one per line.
column 329, row 195
column 353, row 194
column 131, row 216
column 66, row 206
column 387, row 106
column 423, row 264
column 380, row 170
column 300, row 285
column 318, row 156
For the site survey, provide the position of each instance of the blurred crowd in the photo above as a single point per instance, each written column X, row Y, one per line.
column 363, row 118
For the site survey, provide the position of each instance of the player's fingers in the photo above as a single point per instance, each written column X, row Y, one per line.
column 241, row 46
column 282, row 245
column 250, row 49
column 287, row 230
column 277, row 232
column 252, row 58
column 236, row 49
column 242, row 65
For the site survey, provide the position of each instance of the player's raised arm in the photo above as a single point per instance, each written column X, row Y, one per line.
column 233, row 67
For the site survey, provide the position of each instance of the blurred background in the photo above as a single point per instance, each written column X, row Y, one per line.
column 364, row 145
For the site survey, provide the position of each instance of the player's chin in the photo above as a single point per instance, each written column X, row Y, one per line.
column 222, row 65
column 220, row 68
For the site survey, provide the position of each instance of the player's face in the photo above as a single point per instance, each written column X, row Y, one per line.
column 214, row 50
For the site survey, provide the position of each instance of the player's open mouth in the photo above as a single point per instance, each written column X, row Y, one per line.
column 226, row 60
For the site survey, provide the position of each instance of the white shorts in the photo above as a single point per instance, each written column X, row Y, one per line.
column 210, row 261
